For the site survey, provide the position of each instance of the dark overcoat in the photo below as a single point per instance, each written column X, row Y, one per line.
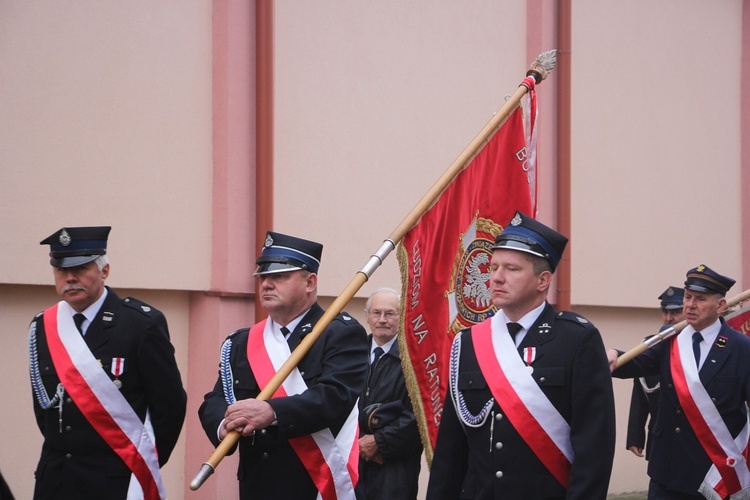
column 398, row 439
column 493, row 461
column 334, row 371
column 76, row 462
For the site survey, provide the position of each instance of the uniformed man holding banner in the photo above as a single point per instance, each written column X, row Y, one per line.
column 531, row 409
column 701, row 433
column 301, row 443
column 108, row 396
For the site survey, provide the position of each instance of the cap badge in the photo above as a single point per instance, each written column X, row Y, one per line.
column 516, row 220
column 701, row 268
column 146, row 308
column 670, row 292
column 582, row 320
column 268, row 242
column 65, row 238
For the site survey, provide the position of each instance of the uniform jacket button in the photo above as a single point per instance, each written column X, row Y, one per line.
column 68, row 456
column 499, row 417
column 677, row 430
column 262, row 432
column 499, row 474
column 68, row 428
column 265, row 456
column 498, row 446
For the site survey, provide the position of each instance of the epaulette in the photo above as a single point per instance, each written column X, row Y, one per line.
column 574, row 318
column 236, row 332
column 345, row 318
column 138, row 305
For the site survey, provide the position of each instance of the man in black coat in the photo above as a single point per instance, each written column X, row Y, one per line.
column 702, row 427
column 644, row 400
column 108, row 395
column 532, row 413
column 390, row 448
column 303, row 440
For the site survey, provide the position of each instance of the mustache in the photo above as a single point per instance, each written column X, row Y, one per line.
column 68, row 288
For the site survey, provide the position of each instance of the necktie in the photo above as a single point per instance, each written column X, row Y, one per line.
column 377, row 352
column 513, row 329
column 292, row 339
column 79, row 318
column 697, row 338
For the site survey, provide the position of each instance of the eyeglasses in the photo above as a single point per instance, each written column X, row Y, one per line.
column 389, row 315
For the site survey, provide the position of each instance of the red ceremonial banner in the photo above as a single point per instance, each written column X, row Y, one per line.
column 445, row 263
column 740, row 320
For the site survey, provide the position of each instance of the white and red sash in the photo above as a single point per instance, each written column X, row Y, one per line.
column 535, row 419
column 103, row 405
column 729, row 473
column 332, row 462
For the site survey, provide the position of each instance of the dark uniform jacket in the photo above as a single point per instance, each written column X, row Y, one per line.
column 677, row 459
column 643, row 404
column 334, row 371
column 76, row 463
column 386, row 412
column 493, row 461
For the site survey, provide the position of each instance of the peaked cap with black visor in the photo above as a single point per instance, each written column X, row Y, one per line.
column 283, row 253
column 704, row 279
column 671, row 299
column 524, row 234
column 76, row 246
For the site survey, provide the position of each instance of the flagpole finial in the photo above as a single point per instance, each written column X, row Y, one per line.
column 543, row 65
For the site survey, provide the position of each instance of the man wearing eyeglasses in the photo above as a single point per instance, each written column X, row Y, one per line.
column 390, row 449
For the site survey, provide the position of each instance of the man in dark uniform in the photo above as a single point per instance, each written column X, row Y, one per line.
column 701, row 430
column 5, row 493
column 644, row 400
column 303, row 440
column 108, row 395
column 390, row 448
column 533, row 408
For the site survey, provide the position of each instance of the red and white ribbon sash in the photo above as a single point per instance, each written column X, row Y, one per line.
column 102, row 403
column 536, row 420
column 332, row 462
column 729, row 472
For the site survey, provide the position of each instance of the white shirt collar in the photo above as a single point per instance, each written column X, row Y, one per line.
column 386, row 347
column 527, row 321
column 291, row 325
column 91, row 311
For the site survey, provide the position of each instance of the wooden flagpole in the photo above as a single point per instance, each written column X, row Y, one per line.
column 540, row 69
column 672, row 331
